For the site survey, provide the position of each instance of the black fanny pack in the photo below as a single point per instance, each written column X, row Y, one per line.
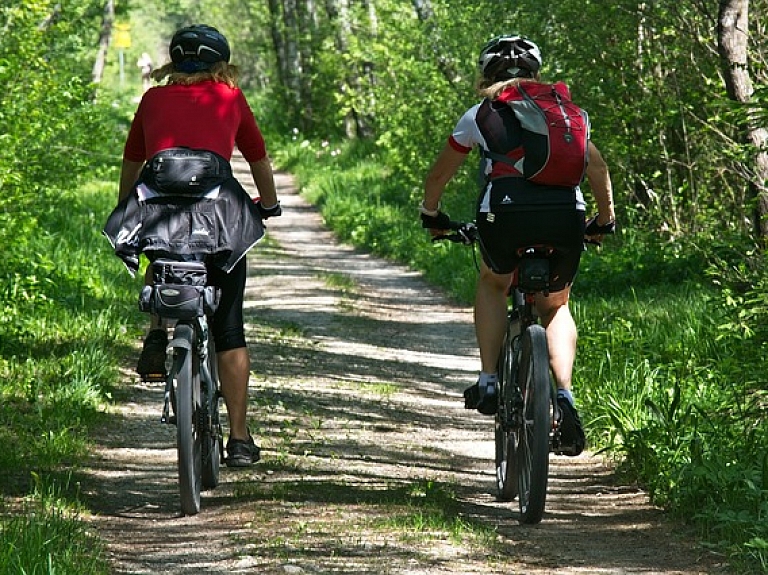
column 185, row 171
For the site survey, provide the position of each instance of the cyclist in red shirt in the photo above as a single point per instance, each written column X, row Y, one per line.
column 201, row 107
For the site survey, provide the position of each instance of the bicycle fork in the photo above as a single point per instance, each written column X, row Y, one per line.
column 511, row 416
column 183, row 337
column 512, row 411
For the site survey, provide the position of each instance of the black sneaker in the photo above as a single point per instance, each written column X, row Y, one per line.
column 152, row 360
column 242, row 452
column 572, row 439
column 487, row 404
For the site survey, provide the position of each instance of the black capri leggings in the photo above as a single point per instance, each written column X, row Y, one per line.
column 227, row 326
column 512, row 230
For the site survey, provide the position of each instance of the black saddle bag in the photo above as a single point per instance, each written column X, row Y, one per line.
column 533, row 275
column 179, row 291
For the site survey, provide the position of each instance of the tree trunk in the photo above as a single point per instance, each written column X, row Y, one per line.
column 104, row 38
column 733, row 42
column 292, row 58
column 307, row 26
column 426, row 15
column 355, row 123
column 284, row 32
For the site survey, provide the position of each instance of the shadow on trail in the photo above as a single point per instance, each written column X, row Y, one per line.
column 369, row 462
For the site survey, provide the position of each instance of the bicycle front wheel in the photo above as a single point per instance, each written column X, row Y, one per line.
column 505, row 435
column 188, row 409
column 212, row 435
column 533, row 450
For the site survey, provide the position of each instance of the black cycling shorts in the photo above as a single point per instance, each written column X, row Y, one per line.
column 562, row 228
column 227, row 325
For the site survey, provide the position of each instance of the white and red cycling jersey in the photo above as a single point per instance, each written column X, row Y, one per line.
column 492, row 126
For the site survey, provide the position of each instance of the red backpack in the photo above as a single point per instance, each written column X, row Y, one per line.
column 555, row 132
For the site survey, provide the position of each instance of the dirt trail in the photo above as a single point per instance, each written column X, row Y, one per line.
column 358, row 368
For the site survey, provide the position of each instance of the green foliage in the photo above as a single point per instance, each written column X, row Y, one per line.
column 371, row 205
column 58, row 298
column 48, row 537
column 672, row 386
column 671, row 312
column 60, row 330
column 47, row 114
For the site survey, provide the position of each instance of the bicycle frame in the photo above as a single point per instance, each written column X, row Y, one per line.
column 181, row 295
column 191, row 335
column 526, row 425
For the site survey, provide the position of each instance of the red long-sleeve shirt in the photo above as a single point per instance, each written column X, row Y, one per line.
column 208, row 116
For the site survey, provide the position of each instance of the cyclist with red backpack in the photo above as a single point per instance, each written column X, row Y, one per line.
column 532, row 166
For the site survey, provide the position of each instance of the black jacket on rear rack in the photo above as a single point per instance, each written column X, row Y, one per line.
column 218, row 226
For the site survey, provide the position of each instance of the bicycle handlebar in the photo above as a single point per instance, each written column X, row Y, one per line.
column 463, row 233
column 466, row 233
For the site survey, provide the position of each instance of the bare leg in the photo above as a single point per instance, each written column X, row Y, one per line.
column 561, row 339
column 561, row 335
column 490, row 316
column 234, row 370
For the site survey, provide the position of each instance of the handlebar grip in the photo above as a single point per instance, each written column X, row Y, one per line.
column 464, row 233
column 594, row 229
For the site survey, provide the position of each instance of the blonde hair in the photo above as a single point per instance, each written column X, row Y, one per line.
column 492, row 89
column 218, row 72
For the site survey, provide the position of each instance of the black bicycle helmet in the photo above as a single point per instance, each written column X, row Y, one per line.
column 196, row 48
column 509, row 56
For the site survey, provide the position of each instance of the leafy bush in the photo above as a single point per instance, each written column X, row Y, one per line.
column 60, row 333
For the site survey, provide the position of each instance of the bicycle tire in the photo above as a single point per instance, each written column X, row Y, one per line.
column 188, row 436
column 212, row 435
column 533, row 449
column 504, row 435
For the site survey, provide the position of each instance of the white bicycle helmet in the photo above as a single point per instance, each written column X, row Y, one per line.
column 508, row 56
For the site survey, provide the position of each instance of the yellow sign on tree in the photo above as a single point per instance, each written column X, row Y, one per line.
column 122, row 36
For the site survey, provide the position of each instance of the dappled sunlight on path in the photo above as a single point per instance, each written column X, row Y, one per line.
column 369, row 464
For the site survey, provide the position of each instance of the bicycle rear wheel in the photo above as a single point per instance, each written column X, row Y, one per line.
column 188, row 410
column 533, row 449
column 212, row 436
column 505, row 435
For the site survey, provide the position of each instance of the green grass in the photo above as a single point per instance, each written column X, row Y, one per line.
column 344, row 283
column 47, row 536
column 66, row 323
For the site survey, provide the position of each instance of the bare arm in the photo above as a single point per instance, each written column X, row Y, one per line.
column 599, row 180
column 129, row 173
column 264, row 179
column 445, row 167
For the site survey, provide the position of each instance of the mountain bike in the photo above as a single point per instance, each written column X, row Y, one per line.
column 179, row 296
column 527, row 420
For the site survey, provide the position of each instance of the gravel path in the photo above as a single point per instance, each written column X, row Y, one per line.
column 369, row 464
